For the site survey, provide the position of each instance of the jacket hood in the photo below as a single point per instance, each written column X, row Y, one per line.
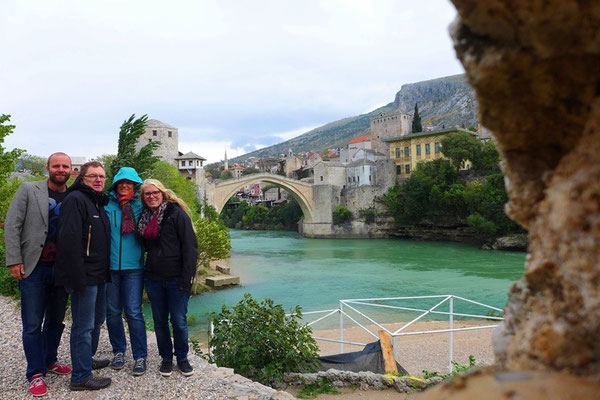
column 126, row 173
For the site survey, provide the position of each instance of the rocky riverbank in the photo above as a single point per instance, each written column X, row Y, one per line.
column 208, row 382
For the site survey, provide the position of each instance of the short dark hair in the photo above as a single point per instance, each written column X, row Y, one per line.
column 58, row 153
column 89, row 164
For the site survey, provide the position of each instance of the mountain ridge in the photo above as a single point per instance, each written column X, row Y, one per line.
column 443, row 102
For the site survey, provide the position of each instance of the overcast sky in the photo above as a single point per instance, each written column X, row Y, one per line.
column 235, row 75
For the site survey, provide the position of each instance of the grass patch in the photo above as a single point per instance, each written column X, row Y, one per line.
column 311, row 391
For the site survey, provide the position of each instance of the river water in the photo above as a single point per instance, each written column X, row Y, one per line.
column 316, row 273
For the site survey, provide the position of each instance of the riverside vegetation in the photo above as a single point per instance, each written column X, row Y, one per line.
column 440, row 193
column 211, row 233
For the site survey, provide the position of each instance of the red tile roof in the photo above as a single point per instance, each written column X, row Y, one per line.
column 360, row 139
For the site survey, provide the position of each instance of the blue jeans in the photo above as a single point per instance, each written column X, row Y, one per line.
column 124, row 293
column 88, row 308
column 168, row 300
column 43, row 308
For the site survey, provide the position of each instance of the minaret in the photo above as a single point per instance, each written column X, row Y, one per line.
column 226, row 166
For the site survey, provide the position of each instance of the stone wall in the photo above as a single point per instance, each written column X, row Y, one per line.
column 535, row 68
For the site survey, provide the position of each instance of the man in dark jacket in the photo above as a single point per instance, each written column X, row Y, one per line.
column 82, row 268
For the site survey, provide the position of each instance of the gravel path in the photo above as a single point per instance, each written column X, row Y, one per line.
column 208, row 382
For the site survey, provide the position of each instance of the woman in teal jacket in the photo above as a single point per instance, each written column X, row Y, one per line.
column 124, row 292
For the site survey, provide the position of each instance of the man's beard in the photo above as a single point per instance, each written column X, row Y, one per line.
column 58, row 179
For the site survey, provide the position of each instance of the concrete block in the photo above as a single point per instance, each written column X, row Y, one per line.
column 223, row 269
column 217, row 281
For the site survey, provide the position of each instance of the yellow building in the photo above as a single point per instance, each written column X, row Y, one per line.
column 412, row 148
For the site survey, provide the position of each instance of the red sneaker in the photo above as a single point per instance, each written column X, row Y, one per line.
column 59, row 369
column 37, row 386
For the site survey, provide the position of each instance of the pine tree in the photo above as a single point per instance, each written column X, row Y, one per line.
column 127, row 156
column 416, row 122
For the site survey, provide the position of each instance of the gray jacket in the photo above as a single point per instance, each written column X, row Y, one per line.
column 26, row 225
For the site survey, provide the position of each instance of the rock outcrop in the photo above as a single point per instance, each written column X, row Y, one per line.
column 535, row 67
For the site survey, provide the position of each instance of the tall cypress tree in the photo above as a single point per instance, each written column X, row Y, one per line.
column 416, row 122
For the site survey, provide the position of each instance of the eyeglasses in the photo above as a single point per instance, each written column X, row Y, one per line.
column 152, row 194
column 94, row 177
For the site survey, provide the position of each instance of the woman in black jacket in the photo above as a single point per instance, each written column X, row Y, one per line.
column 172, row 256
column 82, row 261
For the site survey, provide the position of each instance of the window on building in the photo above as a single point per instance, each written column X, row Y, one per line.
column 418, row 149
column 197, row 163
column 191, row 163
column 349, row 179
column 398, row 169
column 407, row 151
column 353, row 179
column 437, row 147
column 397, row 152
column 170, row 134
column 358, row 179
column 427, row 148
column 321, row 178
column 154, row 133
column 369, row 178
column 407, row 169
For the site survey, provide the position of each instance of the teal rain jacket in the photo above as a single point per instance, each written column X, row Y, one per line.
column 126, row 252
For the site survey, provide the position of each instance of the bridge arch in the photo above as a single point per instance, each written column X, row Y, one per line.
column 301, row 191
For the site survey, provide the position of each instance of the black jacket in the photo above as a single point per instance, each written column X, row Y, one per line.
column 174, row 253
column 83, row 246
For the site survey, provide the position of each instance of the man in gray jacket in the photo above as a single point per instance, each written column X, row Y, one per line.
column 30, row 234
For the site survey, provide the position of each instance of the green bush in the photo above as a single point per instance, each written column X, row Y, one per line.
column 260, row 342
column 368, row 214
column 342, row 215
column 481, row 225
column 213, row 240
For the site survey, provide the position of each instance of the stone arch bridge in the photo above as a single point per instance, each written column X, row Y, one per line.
column 316, row 201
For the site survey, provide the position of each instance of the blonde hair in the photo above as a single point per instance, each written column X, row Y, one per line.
column 168, row 195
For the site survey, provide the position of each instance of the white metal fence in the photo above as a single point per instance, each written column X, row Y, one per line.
column 349, row 309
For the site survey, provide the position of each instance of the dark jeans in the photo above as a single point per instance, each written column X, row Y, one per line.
column 88, row 308
column 43, row 307
column 124, row 293
column 168, row 300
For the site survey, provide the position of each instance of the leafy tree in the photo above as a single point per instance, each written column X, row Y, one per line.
column 35, row 164
column 488, row 159
column 106, row 160
column 260, row 342
column 142, row 160
column 213, row 240
column 460, row 147
column 172, row 179
column 8, row 188
column 416, row 122
column 226, row 175
column 342, row 215
column 250, row 170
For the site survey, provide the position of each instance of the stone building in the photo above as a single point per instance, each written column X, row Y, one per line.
column 361, row 142
column 386, row 126
column 167, row 135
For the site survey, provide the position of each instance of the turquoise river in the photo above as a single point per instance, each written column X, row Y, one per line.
column 316, row 273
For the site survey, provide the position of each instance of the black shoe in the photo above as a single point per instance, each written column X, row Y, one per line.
column 100, row 363
column 185, row 368
column 166, row 368
column 91, row 384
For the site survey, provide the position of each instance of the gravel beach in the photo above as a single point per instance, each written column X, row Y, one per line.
column 208, row 382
